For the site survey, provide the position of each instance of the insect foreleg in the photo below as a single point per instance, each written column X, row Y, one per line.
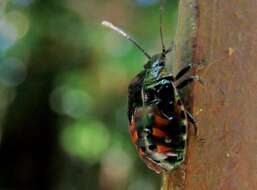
column 188, row 81
column 183, row 71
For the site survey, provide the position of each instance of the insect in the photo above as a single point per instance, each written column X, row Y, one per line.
column 158, row 120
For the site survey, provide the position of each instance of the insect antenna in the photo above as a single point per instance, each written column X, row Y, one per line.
column 124, row 34
column 161, row 27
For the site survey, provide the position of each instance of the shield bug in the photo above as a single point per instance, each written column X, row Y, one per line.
column 158, row 120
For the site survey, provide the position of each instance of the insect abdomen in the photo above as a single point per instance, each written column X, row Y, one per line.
column 159, row 141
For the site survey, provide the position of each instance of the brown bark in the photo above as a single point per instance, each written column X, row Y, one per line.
column 225, row 36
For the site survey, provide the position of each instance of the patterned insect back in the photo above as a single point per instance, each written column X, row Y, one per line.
column 158, row 123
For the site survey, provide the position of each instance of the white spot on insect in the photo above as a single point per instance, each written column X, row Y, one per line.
column 184, row 122
column 169, row 118
column 159, row 156
column 171, row 154
column 147, row 130
column 167, row 140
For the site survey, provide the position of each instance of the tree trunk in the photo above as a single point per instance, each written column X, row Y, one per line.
column 224, row 35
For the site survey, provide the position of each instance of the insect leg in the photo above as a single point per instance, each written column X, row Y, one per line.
column 188, row 81
column 170, row 49
column 183, row 71
column 191, row 118
column 193, row 121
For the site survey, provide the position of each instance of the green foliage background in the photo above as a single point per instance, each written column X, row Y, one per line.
column 63, row 90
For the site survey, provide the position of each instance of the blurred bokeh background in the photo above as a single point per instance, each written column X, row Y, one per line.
column 63, row 92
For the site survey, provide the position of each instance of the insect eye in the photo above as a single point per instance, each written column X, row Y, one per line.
column 161, row 64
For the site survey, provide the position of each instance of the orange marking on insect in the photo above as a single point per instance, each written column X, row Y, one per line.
column 141, row 152
column 160, row 122
column 158, row 133
column 133, row 132
column 134, row 137
column 163, row 149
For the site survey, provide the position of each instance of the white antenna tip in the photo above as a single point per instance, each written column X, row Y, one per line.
column 106, row 23
column 115, row 28
column 121, row 32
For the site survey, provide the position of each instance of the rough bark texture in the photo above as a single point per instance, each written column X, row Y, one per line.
column 226, row 38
